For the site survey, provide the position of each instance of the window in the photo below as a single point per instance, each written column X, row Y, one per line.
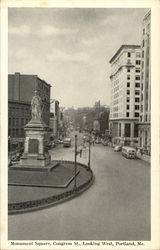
column 17, row 132
column 128, row 91
column 143, row 43
column 142, row 53
column 22, row 110
column 136, row 107
column 137, row 84
column 136, row 130
column 136, row 114
column 141, row 86
column 137, row 99
column 13, row 132
column 127, row 114
column 128, row 77
column 17, row 122
column 119, row 129
column 10, row 121
column 22, row 121
column 142, row 64
column 128, row 70
column 13, row 121
column 138, row 62
column 142, row 75
column 141, row 97
column 137, row 92
column 9, row 132
column 127, row 99
column 137, row 70
column 141, row 108
column 10, row 110
column 129, row 54
column 13, row 111
column 127, row 129
column 127, row 106
column 22, row 132
column 128, row 84
column 137, row 77
column 146, row 137
column 143, row 31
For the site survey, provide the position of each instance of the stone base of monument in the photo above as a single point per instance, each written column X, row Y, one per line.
column 40, row 162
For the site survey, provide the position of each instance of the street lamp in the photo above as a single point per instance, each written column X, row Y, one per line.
column 89, row 157
column 75, row 163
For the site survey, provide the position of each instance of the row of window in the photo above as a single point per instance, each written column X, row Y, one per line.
column 138, row 54
column 136, row 107
column 137, row 84
column 137, row 77
column 16, row 132
column 137, row 92
column 19, row 111
column 17, row 121
column 136, row 114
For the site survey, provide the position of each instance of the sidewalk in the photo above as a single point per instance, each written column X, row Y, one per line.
column 144, row 157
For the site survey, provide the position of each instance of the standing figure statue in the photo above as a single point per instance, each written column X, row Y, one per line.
column 36, row 105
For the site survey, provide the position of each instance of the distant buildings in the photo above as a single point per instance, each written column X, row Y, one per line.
column 56, row 120
column 145, row 100
column 125, row 94
column 20, row 92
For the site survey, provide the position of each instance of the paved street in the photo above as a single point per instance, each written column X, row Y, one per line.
column 115, row 207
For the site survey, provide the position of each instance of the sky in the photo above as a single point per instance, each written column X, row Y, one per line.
column 70, row 48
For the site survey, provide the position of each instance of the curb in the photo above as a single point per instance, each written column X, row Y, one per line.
column 29, row 206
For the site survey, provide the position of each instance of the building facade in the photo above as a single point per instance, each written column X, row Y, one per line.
column 125, row 95
column 54, row 119
column 145, row 111
column 20, row 92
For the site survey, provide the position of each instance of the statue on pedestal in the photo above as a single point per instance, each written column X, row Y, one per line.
column 36, row 106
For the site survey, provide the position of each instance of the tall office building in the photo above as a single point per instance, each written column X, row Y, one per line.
column 145, row 111
column 125, row 95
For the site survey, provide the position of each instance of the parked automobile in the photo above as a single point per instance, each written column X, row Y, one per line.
column 98, row 141
column 104, row 142
column 67, row 142
column 129, row 152
column 117, row 148
column 16, row 157
column 58, row 141
column 53, row 144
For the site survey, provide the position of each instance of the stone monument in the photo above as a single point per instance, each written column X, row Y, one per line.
column 35, row 148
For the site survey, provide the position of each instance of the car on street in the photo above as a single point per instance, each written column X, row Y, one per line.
column 117, row 148
column 98, row 141
column 104, row 142
column 67, row 142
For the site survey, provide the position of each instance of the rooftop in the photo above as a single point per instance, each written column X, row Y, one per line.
column 124, row 46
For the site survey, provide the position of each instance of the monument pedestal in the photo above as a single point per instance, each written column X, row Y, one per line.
column 35, row 149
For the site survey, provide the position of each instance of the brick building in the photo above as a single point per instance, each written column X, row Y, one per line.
column 20, row 92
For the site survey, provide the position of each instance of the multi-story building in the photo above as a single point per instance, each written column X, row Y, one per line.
column 125, row 95
column 21, row 89
column 145, row 101
column 54, row 119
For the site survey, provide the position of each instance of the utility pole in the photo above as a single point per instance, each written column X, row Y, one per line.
column 75, row 164
column 89, row 157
